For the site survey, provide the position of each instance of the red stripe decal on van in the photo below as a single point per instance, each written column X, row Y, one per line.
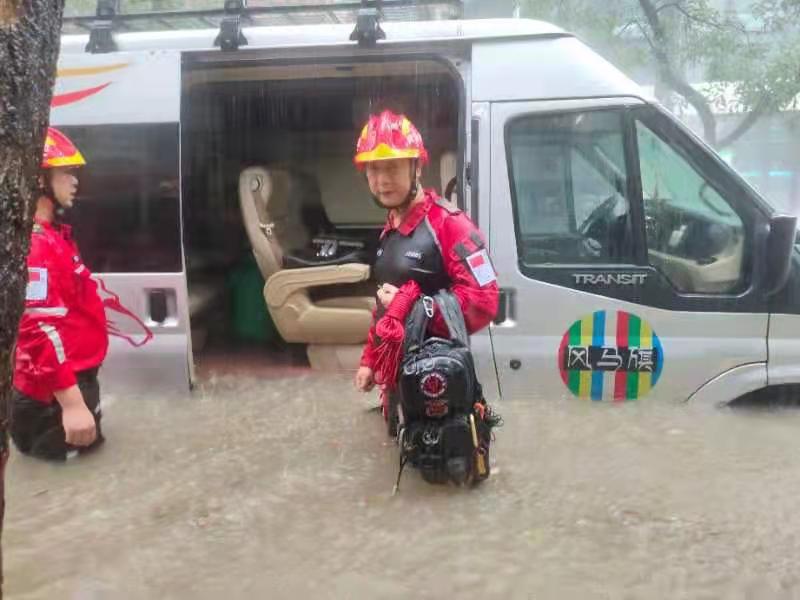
column 72, row 97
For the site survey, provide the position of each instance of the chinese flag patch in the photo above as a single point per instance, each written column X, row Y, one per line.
column 481, row 268
column 37, row 284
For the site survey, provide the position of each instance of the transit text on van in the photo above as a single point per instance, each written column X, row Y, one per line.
column 610, row 278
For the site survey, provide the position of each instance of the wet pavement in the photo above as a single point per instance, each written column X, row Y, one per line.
column 281, row 488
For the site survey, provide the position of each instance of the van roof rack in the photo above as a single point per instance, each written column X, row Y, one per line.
column 111, row 17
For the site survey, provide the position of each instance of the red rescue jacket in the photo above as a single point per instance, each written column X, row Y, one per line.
column 465, row 260
column 63, row 328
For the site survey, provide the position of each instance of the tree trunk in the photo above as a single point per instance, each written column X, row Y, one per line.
column 659, row 45
column 29, row 45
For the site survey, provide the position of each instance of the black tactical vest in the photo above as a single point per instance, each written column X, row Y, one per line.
column 417, row 256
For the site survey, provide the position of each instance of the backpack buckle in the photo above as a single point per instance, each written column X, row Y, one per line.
column 427, row 304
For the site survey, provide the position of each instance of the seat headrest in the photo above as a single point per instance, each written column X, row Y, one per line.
column 262, row 199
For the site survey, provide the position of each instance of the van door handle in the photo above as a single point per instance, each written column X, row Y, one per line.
column 158, row 305
column 505, row 306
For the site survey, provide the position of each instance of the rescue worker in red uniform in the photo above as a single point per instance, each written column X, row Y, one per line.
column 426, row 245
column 62, row 340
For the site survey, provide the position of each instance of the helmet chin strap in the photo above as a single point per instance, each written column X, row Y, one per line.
column 59, row 210
column 412, row 192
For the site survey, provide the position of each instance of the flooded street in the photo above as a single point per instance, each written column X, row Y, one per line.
column 281, row 488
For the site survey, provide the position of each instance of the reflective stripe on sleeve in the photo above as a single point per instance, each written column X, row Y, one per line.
column 55, row 339
column 50, row 311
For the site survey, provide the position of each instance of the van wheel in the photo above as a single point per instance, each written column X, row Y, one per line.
column 774, row 396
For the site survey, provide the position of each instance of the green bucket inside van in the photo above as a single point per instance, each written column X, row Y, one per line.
column 250, row 319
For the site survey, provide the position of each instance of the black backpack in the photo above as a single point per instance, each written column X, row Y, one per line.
column 445, row 424
column 437, row 375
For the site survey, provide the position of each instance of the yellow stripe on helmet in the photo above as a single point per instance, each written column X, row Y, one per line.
column 74, row 160
column 385, row 152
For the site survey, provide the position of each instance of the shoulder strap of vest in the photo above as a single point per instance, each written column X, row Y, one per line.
column 448, row 206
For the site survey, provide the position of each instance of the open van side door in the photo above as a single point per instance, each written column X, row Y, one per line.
column 122, row 110
column 627, row 253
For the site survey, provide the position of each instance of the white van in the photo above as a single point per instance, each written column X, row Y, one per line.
column 633, row 261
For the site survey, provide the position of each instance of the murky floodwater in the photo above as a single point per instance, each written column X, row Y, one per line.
column 282, row 489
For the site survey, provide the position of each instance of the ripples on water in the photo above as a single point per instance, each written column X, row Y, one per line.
column 282, row 489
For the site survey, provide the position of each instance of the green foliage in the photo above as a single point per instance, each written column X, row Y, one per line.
column 755, row 53
column 604, row 28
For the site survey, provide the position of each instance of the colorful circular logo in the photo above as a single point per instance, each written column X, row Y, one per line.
column 610, row 355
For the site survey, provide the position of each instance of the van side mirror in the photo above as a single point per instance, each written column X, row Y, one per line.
column 780, row 245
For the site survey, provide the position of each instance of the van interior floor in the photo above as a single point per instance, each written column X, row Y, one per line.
column 231, row 330
column 249, row 360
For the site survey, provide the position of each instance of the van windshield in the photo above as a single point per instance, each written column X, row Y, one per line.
column 666, row 176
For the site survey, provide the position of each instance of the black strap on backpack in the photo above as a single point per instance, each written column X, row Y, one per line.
column 422, row 312
column 453, row 317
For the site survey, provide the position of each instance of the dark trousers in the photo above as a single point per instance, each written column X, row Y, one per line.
column 36, row 428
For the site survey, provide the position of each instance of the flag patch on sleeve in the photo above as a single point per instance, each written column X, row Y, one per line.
column 481, row 268
column 37, row 284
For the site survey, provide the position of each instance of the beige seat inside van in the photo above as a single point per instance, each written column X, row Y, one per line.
column 320, row 298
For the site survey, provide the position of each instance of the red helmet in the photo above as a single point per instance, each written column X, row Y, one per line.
column 59, row 151
column 389, row 136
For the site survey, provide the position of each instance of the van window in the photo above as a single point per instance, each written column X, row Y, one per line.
column 126, row 215
column 693, row 234
column 569, row 189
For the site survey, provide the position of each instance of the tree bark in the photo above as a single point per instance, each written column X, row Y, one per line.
column 29, row 45
column 672, row 78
